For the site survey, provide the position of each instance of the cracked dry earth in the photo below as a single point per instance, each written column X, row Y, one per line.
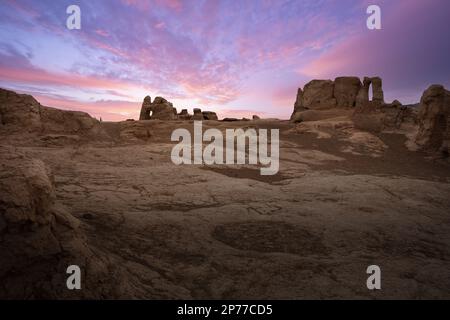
column 343, row 200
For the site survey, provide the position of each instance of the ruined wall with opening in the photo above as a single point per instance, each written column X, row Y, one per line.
column 343, row 92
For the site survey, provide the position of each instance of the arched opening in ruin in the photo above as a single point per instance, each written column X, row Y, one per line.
column 150, row 114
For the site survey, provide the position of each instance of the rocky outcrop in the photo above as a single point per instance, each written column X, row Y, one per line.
column 55, row 120
column 318, row 94
column 209, row 115
column 133, row 131
column 298, row 105
column 145, row 109
column 375, row 117
column 434, row 120
column 159, row 109
column 39, row 238
column 362, row 98
column 22, row 113
column 345, row 91
column 184, row 115
column 197, row 114
column 255, row 117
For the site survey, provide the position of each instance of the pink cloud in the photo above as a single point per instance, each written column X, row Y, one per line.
column 102, row 33
column 32, row 75
column 107, row 110
column 160, row 25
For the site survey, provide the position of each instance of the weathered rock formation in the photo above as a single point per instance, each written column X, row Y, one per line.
column 374, row 115
column 184, row 115
column 209, row 115
column 346, row 90
column 39, row 238
column 343, row 92
column 145, row 109
column 434, row 120
column 298, row 105
column 159, row 109
column 20, row 110
column 317, row 94
column 362, row 98
column 432, row 116
column 133, row 131
column 22, row 113
column 197, row 114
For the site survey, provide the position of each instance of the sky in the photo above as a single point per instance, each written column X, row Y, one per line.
column 234, row 57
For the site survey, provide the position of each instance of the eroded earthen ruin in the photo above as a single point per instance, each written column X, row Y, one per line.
column 343, row 92
column 161, row 109
column 430, row 117
column 434, row 124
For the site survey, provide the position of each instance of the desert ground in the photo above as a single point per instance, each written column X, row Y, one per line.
column 142, row 227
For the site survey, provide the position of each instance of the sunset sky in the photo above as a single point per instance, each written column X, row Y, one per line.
column 237, row 58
